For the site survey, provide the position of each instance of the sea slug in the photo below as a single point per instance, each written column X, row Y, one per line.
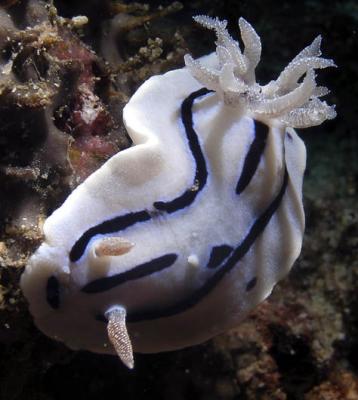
column 177, row 238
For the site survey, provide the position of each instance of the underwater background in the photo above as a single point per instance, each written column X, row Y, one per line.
column 301, row 343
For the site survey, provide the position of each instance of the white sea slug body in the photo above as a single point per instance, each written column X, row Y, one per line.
column 176, row 239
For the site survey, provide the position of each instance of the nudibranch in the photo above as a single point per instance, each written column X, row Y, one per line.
column 177, row 238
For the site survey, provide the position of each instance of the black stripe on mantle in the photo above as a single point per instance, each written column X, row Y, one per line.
column 122, row 222
column 110, row 226
column 218, row 255
column 201, row 172
column 140, row 271
column 253, row 156
column 53, row 292
column 239, row 252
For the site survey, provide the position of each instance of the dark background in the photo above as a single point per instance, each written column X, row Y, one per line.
column 301, row 344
